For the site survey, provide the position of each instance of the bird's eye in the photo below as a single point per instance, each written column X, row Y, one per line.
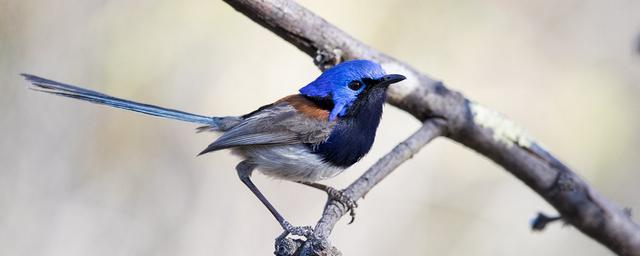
column 355, row 85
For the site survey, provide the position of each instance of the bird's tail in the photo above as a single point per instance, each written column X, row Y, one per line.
column 49, row 86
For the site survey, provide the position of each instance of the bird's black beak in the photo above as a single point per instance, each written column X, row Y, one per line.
column 390, row 79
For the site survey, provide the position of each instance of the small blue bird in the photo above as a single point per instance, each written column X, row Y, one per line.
column 306, row 137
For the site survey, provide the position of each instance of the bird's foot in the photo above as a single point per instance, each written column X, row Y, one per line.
column 344, row 199
column 336, row 195
column 304, row 231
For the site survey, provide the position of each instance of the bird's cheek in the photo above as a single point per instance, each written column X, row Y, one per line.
column 338, row 109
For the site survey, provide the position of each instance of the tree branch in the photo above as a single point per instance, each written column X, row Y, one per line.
column 467, row 122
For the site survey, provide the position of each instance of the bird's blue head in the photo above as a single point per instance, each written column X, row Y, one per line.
column 345, row 82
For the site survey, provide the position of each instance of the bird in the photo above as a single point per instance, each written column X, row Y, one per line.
column 328, row 126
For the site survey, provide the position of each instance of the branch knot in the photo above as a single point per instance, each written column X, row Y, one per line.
column 327, row 57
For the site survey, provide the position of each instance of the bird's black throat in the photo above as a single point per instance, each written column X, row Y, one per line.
column 354, row 133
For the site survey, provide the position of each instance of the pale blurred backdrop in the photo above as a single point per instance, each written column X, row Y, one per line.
column 81, row 179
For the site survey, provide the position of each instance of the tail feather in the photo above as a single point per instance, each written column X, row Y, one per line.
column 57, row 88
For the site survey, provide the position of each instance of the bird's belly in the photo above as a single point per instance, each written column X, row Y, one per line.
column 289, row 162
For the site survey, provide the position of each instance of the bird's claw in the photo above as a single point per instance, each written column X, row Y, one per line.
column 304, row 231
column 341, row 197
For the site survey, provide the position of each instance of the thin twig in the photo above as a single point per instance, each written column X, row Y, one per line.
column 431, row 129
column 334, row 210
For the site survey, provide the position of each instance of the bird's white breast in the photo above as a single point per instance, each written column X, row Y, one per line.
column 289, row 162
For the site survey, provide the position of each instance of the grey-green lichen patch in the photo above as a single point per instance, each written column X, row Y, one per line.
column 504, row 130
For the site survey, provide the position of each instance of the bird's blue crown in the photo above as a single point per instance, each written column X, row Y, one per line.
column 334, row 83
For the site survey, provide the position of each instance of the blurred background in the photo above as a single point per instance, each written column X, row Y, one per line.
column 80, row 179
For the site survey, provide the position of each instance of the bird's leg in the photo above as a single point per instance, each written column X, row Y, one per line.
column 337, row 195
column 244, row 172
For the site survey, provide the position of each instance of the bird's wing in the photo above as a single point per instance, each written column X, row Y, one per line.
column 290, row 120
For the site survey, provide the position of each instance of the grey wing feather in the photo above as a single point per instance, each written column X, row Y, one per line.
column 253, row 139
column 278, row 124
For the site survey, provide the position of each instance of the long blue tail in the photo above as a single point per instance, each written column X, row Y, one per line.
column 46, row 85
